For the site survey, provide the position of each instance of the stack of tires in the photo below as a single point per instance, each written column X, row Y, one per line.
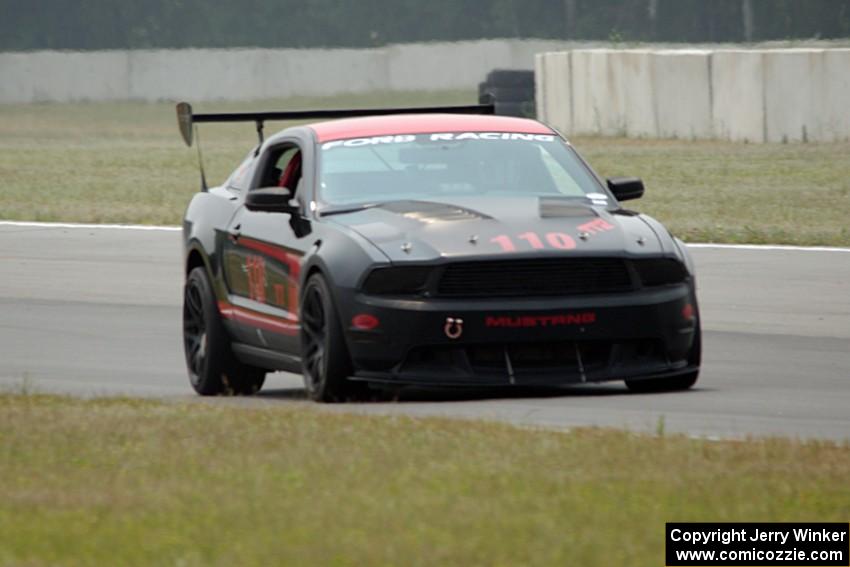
column 512, row 92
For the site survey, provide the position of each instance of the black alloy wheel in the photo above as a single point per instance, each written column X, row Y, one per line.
column 212, row 367
column 324, row 355
column 194, row 331
column 314, row 327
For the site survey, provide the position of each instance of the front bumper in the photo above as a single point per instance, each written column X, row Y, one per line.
column 525, row 341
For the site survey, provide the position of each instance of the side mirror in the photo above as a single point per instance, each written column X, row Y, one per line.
column 271, row 200
column 625, row 188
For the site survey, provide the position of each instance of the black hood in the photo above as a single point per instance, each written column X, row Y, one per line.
column 475, row 227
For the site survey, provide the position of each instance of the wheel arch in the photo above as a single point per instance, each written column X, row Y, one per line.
column 313, row 267
column 685, row 255
column 195, row 259
column 314, row 270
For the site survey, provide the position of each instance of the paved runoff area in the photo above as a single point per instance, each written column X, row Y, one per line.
column 96, row 311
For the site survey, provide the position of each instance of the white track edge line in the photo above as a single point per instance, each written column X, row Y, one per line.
column 767, row 247
column 88, row 226
column 177, row 228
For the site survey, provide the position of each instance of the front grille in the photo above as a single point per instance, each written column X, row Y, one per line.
column 540, row 277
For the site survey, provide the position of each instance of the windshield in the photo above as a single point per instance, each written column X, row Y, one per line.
column 435, row 166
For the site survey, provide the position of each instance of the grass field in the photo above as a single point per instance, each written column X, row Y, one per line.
column 126, row 163
column 129, row 482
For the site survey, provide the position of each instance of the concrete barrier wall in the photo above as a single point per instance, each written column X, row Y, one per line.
column 636, row 106
column 771, row 95
column 557, row 88
column 245, row 74
column 41, row 77
column 682, row 91
column 837, row 76
column 737, row 109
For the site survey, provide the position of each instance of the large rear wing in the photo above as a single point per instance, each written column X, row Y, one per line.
column 186, row 119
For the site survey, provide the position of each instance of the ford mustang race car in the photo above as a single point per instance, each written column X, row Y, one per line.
column 428, row 247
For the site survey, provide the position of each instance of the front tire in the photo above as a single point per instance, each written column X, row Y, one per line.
column 676, row 383
column 673, row 384
column 324, row 355
column 213, row 369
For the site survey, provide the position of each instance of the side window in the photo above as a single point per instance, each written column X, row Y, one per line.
column 283, row 169
column 239, row 179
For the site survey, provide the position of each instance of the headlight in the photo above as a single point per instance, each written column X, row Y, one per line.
column 400, row 280
column 660, row 271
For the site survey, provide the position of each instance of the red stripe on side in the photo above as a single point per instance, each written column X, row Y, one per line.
column 259, row 320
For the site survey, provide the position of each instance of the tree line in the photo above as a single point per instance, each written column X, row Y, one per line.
column 117, row 24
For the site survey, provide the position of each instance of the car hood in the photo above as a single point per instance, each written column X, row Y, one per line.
column 492, row 227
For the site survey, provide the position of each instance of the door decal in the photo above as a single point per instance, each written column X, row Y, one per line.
column 263, row 273
column 256, row 268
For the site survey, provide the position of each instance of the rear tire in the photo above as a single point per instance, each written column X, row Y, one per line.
column 213, row 369
column 676, row 383
column 324, row 355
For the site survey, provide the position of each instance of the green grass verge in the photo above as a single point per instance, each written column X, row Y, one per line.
column 126, row 163
column 129, row 482
column 709, row 191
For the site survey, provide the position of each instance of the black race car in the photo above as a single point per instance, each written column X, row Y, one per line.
column 434, row 247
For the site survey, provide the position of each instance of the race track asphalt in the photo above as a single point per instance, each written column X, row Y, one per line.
column 96, row 311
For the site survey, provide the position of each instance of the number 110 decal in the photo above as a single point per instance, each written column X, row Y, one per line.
column 557, row 240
